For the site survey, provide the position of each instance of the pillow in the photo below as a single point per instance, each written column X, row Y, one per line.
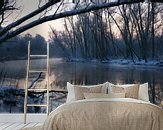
column 126, row 85
column 101, row 95
column 109, row 90
column 131, row 92
column 71, row 93
column 143, row 92
column 79, row 91
column 123, row 86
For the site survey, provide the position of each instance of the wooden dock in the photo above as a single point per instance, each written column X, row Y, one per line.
column 18, row 126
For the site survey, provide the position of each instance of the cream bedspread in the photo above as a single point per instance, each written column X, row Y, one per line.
column 106, row 114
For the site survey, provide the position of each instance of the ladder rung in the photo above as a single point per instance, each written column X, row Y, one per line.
column 36, row 89
column 37, row 71
column 38, row 55
column 36, row 105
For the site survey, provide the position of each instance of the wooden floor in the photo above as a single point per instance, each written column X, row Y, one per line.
column 16, row 121
column 17, row 126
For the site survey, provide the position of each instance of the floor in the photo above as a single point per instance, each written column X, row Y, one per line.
column 16, row 121
column 17, row 126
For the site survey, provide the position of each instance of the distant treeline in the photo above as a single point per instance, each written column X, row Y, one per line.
column 17, row 47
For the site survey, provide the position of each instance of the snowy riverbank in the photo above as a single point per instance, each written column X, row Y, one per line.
column 151, row 62
column 12, row 100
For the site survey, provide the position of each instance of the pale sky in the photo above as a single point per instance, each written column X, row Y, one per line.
column 43, row 29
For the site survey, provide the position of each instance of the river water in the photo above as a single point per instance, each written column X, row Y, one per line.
column 90, row 73
column 96, row 73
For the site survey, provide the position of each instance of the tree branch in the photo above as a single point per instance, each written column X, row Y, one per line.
column 54, row 17
column 23, row 19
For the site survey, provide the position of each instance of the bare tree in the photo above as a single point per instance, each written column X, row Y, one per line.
column 6, row 8
column 60, row 12
column 96, row 34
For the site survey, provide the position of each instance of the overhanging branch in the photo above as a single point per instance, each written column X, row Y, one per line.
column 23, row 19
column 5, row 36
column 62, row 15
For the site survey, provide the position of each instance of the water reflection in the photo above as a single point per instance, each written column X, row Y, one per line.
column 96, row 73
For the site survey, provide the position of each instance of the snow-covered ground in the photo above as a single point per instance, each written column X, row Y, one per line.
column 12, row 100
column 119, row 61
column 130, row 62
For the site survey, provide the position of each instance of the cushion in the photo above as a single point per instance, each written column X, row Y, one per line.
column 71, row 92
column 110, row 87
column 102, row 95
column 79, row 91
column 70, row 95
column 126, row 85
column 131, row 92
column 143, row 92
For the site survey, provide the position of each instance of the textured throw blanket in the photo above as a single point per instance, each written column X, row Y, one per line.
column 105, row 114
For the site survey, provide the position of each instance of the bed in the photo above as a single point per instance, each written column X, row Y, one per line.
column 106, row 107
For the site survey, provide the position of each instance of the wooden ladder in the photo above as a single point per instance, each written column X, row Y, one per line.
column 29, row 70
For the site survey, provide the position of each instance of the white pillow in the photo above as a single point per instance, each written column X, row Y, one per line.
column 71, row 93
column 110, row 87
column 142, row 94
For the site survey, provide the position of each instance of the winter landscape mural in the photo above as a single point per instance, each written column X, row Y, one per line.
column 91, row 42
